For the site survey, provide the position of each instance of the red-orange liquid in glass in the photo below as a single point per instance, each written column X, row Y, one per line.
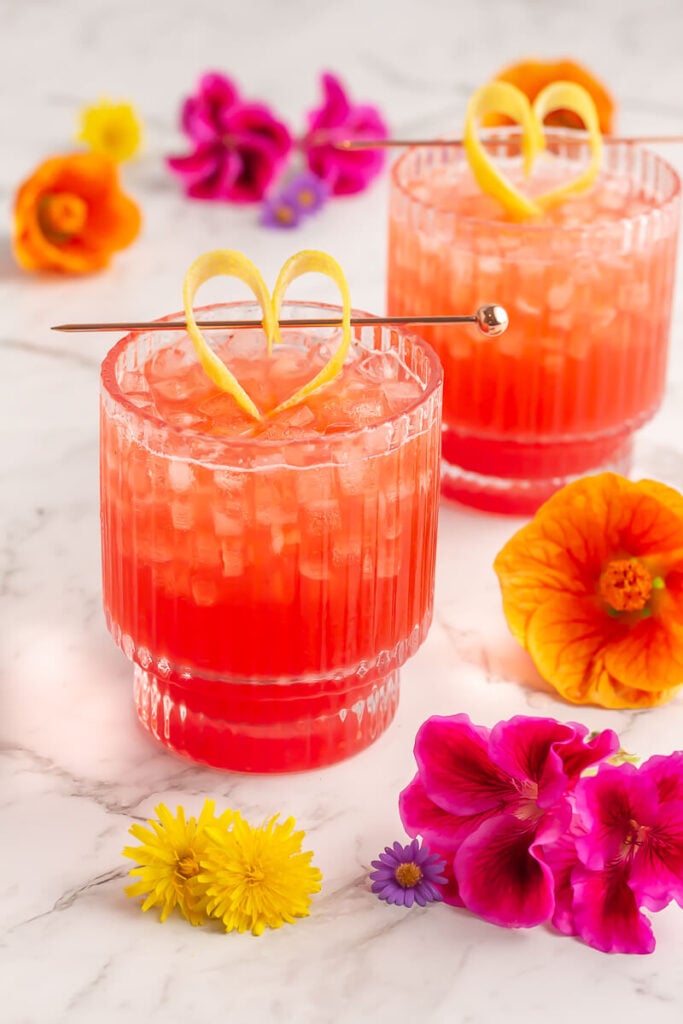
column 268, row 579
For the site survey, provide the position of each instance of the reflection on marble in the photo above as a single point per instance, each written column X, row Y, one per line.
column 76, row 769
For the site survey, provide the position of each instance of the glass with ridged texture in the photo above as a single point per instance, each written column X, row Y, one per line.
column 588, row 290
column 268, row 589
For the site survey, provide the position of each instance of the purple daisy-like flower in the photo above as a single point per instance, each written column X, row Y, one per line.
column 307, row 192
column 408, row 874
column 301, row 196
column 280, row 212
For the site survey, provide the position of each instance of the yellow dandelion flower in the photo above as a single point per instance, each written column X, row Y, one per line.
column 258, row 877
column 169, row 860
column 111, row 129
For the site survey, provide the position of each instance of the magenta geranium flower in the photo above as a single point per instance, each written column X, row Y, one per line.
column 337, row 119
column 492, row 801
column 624, row 853
column 408, row 874
column 238, row 146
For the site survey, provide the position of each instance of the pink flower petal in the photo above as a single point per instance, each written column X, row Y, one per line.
column 455, row 768
column 607, row 805
column 346, row 173
column 439, row 829
column 656, row 874
column 501, row 875
column 335, row 106
column 196, row 121
column 562, row 859
column 195, row 167
column 450, row 890
column 218, row 89
column 606, row 913
column 525, row 748
column 258, row 167
column 667, row 773
column 577, row 754
column 253, row 122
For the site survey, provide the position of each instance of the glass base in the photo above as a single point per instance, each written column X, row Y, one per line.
column 266, row 726
column 516, row 479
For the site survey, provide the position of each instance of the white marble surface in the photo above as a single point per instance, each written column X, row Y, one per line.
column 75, row 770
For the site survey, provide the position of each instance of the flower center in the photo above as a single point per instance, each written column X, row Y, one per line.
column 254, row 876
column 408, row 875
column 188, row 866
column 284, row 214
column 636, row 834
column 306, row 197
column 626, row 585
column 61, row 215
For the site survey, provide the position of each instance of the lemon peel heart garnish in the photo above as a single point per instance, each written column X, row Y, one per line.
column 505, row 98
column 502, row 98
column 571, row 96
column 305, row 262
column 234, row 264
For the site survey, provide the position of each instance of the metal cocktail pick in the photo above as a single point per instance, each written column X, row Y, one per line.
column 491, row 320
column 578, row 139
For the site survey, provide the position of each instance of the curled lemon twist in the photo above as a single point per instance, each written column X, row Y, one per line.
column 504, row 98
column 234, row 264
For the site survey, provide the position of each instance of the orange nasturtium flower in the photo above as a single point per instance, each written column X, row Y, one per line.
column 593, row 589
column 531, row 76
column 71, row 215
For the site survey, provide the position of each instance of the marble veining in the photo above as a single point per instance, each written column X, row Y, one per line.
column 76, row 769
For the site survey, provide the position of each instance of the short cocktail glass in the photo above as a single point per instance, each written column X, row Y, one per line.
column 588, row 290
column 268, row 588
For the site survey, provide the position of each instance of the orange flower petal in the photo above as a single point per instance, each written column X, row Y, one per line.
column 650, row 654
column 532, row 76
column 113, row 219
column 114, row 224
column 549, row 574
column 568, row 646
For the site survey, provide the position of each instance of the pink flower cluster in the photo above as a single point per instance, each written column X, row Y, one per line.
column 529, row 836
column 240, row 148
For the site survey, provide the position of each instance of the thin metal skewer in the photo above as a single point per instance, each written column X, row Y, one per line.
column 491, row 320
column 580, row 138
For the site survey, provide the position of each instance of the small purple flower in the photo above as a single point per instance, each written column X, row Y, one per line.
column 408, row 874
column 302, row 196
column 307, row 192
column 345, row 171
column 280, row 212
column 238, row 146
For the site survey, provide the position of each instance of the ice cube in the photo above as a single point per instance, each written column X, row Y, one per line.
column 321, row 516
column 314, row 484
column 559, row 295
column 378, row 367
column 182, row 515
column 180, row 476
column 173, row 379
column 133, row 383
column 232, row 558
column 204, row 591
column 226, row 524
column 400, row 394
column 230, row 481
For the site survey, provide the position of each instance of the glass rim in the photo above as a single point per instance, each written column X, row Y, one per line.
column 110, row 385
column 502, row 134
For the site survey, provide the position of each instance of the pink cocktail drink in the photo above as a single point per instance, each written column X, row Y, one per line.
column 268, row 579
column 588, row 290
